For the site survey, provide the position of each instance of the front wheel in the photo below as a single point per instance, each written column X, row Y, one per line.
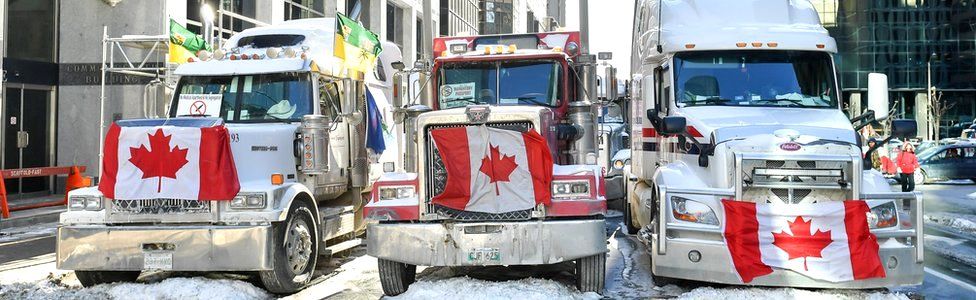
column 629, row 225
column 93, row 278
column 919, row 177
column 396, row 277
column 591, row 273
column 295, row 251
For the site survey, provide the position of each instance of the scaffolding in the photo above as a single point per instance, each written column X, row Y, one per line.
column 145, row 56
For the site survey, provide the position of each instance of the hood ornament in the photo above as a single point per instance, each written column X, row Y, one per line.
column 477, row 114
column 790, row 134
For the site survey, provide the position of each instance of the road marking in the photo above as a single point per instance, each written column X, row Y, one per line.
column 950, row 279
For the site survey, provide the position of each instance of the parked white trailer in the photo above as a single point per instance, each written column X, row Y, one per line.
column 294, row 113
column 739, row 100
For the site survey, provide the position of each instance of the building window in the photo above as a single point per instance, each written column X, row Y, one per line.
column 303, row 9
column 34, row 37
column 496, row 17
column 237, row 15
column 363, row 10
column 394, row 21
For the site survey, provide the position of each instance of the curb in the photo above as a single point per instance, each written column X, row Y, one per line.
column 45, row 217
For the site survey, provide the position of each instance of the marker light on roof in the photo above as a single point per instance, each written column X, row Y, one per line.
column 204, row 55
column 487, row 50
column 245, row 57
column 572, row 48
column 499, row 50
column 512, row 48
column 255, row 56
column 219, row 54
column 273, row 52
column 233, row 57
column 740, row 44
column 757, row 44
column 290, row 52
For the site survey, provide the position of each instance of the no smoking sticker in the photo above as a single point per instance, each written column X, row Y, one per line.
column 203, row 105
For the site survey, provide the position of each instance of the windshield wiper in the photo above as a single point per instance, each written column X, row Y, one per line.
column 709, row 100
column 791, row 101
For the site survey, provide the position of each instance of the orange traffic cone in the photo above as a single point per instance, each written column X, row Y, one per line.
column 74, row 181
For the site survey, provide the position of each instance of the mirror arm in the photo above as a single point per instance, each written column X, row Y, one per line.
column 703, row 150
column 866, row 118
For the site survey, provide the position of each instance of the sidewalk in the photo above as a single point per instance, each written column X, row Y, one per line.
column 28, row 217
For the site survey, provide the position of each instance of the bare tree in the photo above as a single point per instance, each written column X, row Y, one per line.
column 937, row 109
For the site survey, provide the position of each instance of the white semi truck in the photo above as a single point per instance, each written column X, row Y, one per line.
column 295, row 117
column 739, row 100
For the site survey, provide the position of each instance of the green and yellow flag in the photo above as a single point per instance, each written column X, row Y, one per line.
column 356, row 45
column 183, row 43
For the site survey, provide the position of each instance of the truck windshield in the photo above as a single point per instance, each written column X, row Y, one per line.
column 754, row 78
column 245, row 98
column 499, row 83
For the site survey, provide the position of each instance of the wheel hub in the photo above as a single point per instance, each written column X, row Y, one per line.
column 299, row 246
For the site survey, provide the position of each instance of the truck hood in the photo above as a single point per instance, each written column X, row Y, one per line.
column 725, row 123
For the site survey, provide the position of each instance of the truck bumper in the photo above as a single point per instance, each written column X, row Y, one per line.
column 615, row 187
column 193, row 248
column 716, row 266
column 464, row 244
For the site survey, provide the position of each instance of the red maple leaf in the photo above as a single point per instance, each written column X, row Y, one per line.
column 497, row 166
column 159, row 162
column 801, row 243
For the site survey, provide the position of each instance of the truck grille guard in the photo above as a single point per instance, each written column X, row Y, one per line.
column 915, row 204
column 436, row 178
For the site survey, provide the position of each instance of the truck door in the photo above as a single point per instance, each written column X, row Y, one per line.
column 330, row 93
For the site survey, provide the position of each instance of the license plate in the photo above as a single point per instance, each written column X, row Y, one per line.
column 484, row 255
column 157, row 261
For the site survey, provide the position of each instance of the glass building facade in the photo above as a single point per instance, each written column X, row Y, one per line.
column 905, row 39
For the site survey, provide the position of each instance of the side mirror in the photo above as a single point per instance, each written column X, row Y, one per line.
column 878, row 95
column 398, row 65
column 673, row 125
column 904, row 128
column 611, row 83
column 397, row 89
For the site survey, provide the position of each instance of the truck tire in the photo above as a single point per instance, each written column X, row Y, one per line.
column 93, row 278
column 396, row 277
column 295, row 247
column 629, row 220
column 591, row 273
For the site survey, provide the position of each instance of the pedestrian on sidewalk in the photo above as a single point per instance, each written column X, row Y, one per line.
column 907, row 164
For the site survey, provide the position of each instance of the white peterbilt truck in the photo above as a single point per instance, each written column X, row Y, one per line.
column 517, row 82
column 295, row 117
column 740, row 100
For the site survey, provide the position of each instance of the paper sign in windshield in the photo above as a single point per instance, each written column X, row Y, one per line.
column 457, row 91
column 199, row 105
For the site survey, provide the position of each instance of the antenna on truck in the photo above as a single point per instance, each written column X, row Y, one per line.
column 660, row 24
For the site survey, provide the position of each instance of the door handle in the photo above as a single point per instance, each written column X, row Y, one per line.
column 23, row 139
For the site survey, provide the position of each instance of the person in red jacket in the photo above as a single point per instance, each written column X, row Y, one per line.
column 907, row 163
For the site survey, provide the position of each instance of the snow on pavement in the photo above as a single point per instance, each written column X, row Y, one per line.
column 20, row 233
column 467, row 288
column 958, row 223
column 64, row 286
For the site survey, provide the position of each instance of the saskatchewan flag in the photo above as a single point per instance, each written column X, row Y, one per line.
column 183, row 43
column 356, row 45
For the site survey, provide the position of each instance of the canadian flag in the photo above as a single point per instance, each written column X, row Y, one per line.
column 170, row 162
column 493, row 170
column 827, row 241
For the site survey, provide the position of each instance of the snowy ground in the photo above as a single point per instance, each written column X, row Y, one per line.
column 20, row 233
column 355, row 277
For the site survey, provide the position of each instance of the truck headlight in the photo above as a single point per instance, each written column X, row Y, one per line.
column 693, row 211
column 86, row 202
column 249, row 201
column 394, row 192
column 571, row 189
column 883, row 216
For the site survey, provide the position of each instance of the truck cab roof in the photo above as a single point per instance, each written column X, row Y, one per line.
column 695, row 25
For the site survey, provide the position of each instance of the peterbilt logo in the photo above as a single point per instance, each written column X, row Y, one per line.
column 790, row 146
column 478, row 114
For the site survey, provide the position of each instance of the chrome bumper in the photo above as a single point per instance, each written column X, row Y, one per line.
column 716, row 266
column 516, row 243
column 194, row 248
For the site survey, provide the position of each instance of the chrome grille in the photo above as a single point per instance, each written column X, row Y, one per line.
column 160, row 206
column 437, row 175
column 793, row 183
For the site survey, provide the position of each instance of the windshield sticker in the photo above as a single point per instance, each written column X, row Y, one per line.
column 199, row 105
column 457, row 91
column 508, row 101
